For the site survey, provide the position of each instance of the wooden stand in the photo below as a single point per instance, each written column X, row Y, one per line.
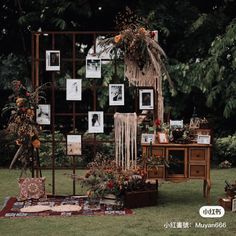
column 187, row 161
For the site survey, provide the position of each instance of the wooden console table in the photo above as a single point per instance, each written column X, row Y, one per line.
column 187, row 161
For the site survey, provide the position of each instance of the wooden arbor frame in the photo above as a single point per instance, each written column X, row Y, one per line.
column 39, row 39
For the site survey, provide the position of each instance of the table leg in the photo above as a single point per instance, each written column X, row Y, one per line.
column 206, row 189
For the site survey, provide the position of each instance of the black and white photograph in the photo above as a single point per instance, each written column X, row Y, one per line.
column 116, row 95
column 95, row 122
column 176, row 124
column 147, row 138
column 93, row 67
column 73, row 145
column 53, row 60
column 73, row 89
column 146, row 99
column 43, row 114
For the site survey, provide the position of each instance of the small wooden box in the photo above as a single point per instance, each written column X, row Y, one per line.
column 138, row 199
column 226, row 203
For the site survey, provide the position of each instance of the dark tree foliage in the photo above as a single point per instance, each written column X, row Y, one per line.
column 197, row 35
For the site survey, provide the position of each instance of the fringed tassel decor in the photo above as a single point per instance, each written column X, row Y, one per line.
column 126, row 140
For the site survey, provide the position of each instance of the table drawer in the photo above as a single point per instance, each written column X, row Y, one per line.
column 197, row 171
column 158, row 152
column 197, row 154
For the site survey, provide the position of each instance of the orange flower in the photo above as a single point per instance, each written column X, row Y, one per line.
column 36, row 143
column 142, row 30
column 20, row 102
column 117, row 38
column 18, row 142
column 30, row 112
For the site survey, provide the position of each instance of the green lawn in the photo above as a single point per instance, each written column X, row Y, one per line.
column 177, row 202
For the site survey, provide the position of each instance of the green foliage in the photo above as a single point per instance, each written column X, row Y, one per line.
column 225, row 148
column 12, row 67
column 61, row 160
column 213, row 75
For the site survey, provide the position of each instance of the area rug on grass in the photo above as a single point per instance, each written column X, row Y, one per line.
column 57, row 206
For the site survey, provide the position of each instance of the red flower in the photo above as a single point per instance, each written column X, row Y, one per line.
column 110, row 184
column 27, row 94
column 152, row 34
column 157, row 122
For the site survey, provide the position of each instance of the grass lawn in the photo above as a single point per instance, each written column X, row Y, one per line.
column 177, row 202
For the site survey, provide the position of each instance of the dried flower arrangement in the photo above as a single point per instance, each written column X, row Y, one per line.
column 105, row 177
column 143, row 55
column 22, row 125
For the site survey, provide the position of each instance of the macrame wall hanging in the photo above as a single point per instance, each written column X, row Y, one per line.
column 126, row 140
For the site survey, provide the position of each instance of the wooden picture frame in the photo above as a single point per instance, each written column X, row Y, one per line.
column 95, row 122
column 73, row 145
column 146, row 99
column 43, row 114
column 93, row 67
column 52, row 60
column 147, row 138
column 116, row 94
column 162, row 137
column 74, row 89
column 203, row 139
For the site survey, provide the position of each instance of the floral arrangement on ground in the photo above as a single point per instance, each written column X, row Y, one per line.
column 105, row 177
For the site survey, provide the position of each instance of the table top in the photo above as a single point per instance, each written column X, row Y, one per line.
column 176, row 145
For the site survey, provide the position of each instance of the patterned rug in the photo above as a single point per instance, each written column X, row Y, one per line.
column 58, row 206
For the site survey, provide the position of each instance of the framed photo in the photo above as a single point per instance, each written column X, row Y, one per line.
column 93, row 67
column 147, row 138
column 73, row 145
column 203, row 131
column 95, row 122
column 53, row 60
column 176, row 124
column 116, row 94
column 204, row 139
column 162, row 137
column 43, row 114
column 73, row 89
column 234, row 204
column 146, row 99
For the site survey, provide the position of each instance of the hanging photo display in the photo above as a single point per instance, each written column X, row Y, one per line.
column 43, row 114
column 73, row 145
column 116, row 95
column 93, row 67
column 74, row 89
column 146, row 99
column 95, row 122
column 53, row 60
